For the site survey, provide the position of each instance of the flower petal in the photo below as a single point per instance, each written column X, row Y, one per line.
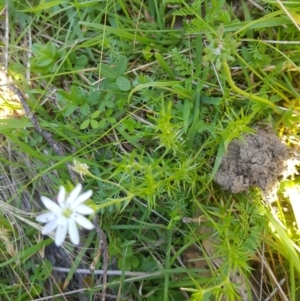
column 50, row 205
column 74, row 194
column 49, row 227
column 61, row 230
column 83, row 209
column 61, row 197
column 83, row 222
column 46, row 217
column 73, row 232
column 82, row 198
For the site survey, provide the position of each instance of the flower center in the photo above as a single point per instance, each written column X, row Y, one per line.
column 67, row 212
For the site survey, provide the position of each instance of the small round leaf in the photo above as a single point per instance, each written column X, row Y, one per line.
column 94, row 123
column 102, row 123
column 85, row 124
column 123, row 83
column 111, row 120
column 95, row 114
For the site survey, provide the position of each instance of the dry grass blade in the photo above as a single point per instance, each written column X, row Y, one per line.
column 102, row 249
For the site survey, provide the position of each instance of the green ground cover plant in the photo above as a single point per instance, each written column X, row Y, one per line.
column 145, row 98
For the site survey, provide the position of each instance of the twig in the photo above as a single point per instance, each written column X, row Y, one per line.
column 261, row 273
column 101, row 272
column 272, row 276
column 102, row 248
column 128, row 280
column 280, row 283
column 69, row 293
column 29, row 54
column 6, row 36
column 159, row 274
column 57, row 147
column 292, row 18
column 120, row 144
column 256, row 5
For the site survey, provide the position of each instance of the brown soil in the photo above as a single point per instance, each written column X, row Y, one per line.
column 257, row 161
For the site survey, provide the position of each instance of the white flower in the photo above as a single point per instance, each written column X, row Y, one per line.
column 65, row 215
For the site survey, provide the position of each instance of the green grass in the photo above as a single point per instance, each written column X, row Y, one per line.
column 149, row 95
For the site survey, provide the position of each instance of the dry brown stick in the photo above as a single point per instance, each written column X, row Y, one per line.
column 57, row 147
column 102, row 248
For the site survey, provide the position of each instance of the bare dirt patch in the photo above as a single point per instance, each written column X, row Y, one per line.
column 257, row 161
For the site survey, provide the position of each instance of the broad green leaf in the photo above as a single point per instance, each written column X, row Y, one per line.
column 123, row 83
column 73, row 57
column 106, row 102
column 94, row 124
column 102, row 123
column 85, row 124
column 42, row 62
column 124, row 264
column 43, row 271
column 78, row 95
column 70, row 110
column 122, row 65
column 111, row 120
column 64, row 96
column 95, row 114
column 109, row 103
column 94, row 97
column 109, row 112
column 107, row 71
column 134, row 261
column 85, row 109
column 81, row 61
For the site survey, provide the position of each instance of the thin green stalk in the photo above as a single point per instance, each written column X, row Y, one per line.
column 246, row 94
column 292, row 282
column 169, row 247
column 279, row 92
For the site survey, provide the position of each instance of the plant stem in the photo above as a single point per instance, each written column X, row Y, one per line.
column 246, row 94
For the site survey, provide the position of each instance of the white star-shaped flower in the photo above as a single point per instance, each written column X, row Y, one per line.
column 65, row 215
